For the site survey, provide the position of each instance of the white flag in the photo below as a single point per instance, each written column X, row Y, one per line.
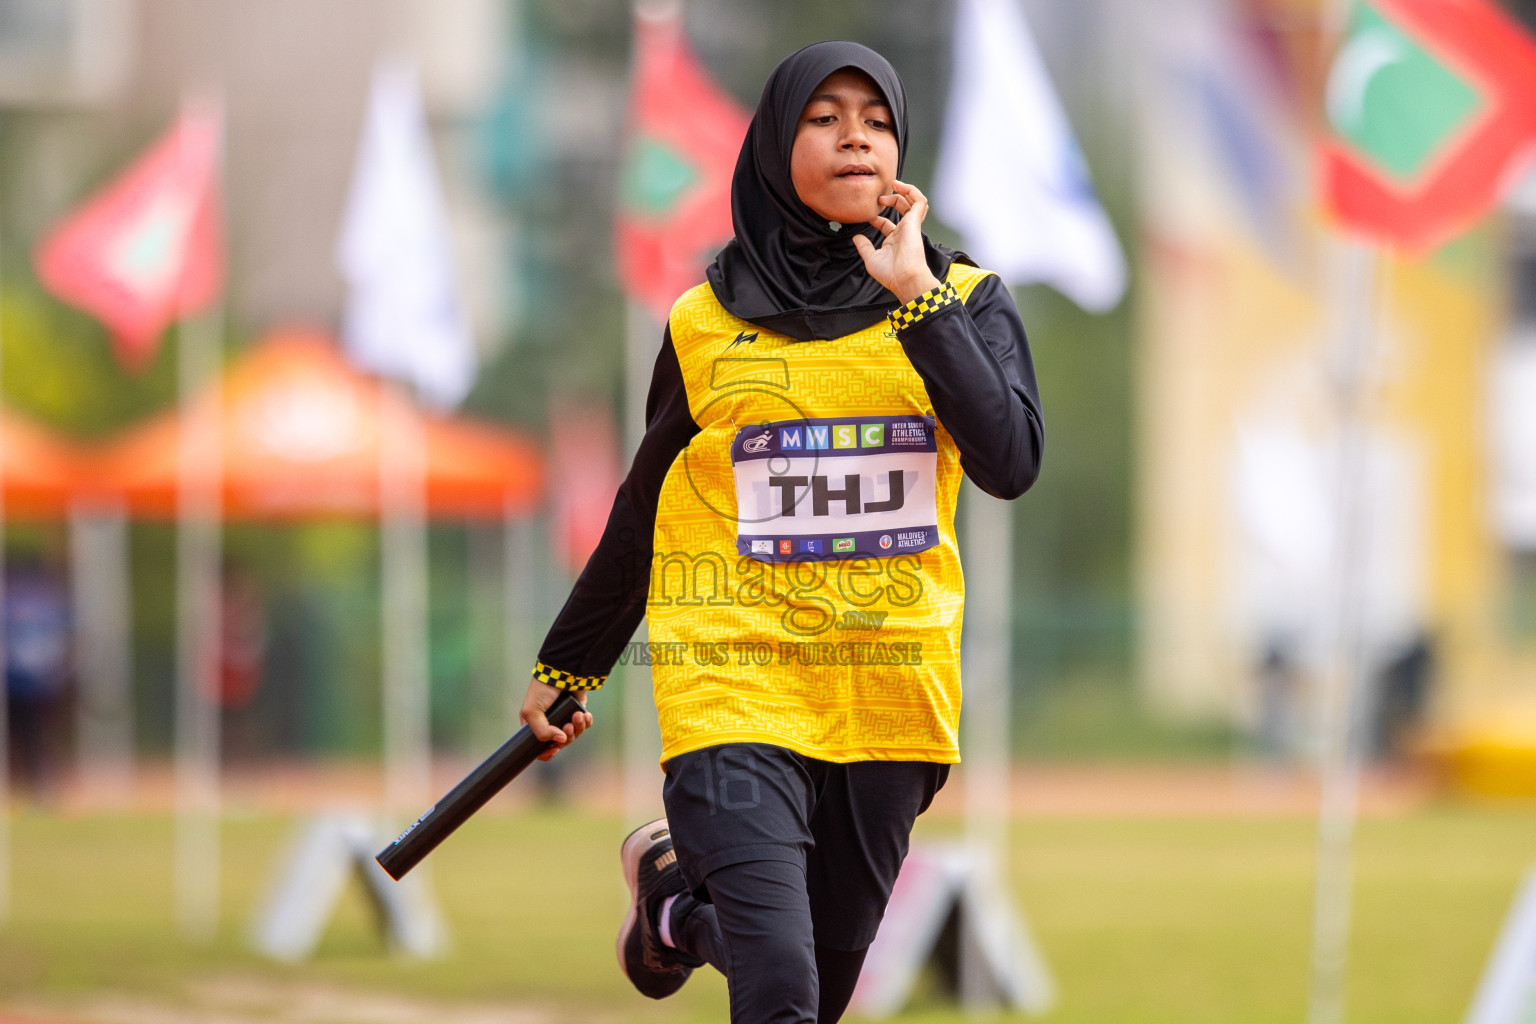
column 403, row 316
column 1010, row 177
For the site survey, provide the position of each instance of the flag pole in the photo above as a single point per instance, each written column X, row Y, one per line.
column 407, row 739
column 104, row 678
column 520, row 585
column 485, row 578
column 641, row 735
column 988, row 525
column 1354, row 268
column 1342, row 718
column 198, row 544
column 407, row 679
column 403, row 320
column 986, row 657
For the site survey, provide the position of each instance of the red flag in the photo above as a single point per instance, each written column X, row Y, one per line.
column 1433, row 109
column 675, row 185
column 146, row 249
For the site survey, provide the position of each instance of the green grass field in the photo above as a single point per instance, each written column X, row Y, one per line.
column 1143, row 921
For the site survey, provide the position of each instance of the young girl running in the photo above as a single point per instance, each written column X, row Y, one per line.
column 788, row 526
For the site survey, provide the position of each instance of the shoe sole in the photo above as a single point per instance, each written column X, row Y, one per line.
column 629, row 855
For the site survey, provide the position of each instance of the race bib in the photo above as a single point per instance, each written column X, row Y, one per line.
column 822, row 489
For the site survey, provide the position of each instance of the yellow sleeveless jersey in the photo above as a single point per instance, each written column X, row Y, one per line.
column 805, row 571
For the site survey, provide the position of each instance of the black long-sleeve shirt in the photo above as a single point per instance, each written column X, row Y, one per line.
column 975, row 364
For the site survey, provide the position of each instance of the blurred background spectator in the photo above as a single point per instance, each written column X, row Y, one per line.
column 38, row 665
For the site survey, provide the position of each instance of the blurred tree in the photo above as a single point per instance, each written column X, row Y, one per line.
column 58, row 369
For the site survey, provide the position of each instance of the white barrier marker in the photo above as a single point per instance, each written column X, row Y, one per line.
column 314, row 875
column 1507, row 993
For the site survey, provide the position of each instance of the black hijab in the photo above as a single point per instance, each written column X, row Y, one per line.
column 787, row 270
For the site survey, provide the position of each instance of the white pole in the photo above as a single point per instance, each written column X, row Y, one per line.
column 197, row 635
column 198, row 501
column 407, row 739
column 104, row 711
column 986, row 659
column 1345, row 699
column 642, row 734
column 988, row 541
column 486, row 584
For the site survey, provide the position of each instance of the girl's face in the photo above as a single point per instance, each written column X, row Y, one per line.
column 845, row 151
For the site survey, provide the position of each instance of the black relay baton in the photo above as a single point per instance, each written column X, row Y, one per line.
column 422, row 837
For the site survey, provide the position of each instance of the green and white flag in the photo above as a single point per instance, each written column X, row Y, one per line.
column 1432, row 105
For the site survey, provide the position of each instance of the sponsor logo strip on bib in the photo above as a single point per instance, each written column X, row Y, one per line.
column 827, row 489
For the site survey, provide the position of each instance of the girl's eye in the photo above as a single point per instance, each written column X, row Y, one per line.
column 878, row 124
column 822, row 119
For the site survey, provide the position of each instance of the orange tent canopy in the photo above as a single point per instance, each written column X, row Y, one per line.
column 40, row 471
column 302, row 438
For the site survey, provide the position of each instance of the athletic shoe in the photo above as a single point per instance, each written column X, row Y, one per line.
column 650, row 869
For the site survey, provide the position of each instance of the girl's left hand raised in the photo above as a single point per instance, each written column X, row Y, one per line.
column 900, row 263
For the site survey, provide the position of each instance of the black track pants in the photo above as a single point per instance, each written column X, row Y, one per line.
column 791, row 861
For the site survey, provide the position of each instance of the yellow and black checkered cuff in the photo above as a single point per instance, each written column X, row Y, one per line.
column 564, row 680
column 926, row 304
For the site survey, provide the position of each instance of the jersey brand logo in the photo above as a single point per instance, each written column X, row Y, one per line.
column 742, row 338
